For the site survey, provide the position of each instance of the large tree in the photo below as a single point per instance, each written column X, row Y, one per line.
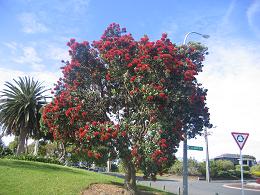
column 128, row 99
column 20, row 106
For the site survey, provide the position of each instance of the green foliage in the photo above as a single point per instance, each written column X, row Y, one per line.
column 193, row 167
column 245, row 167
column 255, row 168
column 5, row 152
column 121, row 167
column 35, row 158
column 176, row 168
column 224, row 165
column 20, row 105
column 13, row 145
column 202, row 168
column 224, row 174
column 255, row 173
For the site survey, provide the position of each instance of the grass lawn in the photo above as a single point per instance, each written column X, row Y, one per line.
column 24, row 177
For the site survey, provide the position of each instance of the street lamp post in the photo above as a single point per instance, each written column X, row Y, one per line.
column 185, row 156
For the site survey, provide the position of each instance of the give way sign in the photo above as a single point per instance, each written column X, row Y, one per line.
column 240, row 138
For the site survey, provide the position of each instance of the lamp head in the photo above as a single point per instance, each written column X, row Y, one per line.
column 205, row 36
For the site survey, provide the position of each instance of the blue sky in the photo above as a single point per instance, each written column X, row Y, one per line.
column 34, row 33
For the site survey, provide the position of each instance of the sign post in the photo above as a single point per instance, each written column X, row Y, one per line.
column 240, row 139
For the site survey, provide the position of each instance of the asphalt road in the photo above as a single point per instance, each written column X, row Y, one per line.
column 198, row 187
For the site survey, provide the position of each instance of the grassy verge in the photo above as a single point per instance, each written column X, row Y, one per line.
column 23, row 177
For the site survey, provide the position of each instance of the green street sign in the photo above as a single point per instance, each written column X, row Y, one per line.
column 195, row 148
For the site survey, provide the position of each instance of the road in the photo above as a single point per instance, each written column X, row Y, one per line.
column 198, row 187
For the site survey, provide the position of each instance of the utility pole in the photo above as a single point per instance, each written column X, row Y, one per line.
column 207, row 156
column 185, row 166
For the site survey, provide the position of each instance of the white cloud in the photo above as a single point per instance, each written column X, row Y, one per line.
column 171, row 28
column 48, row 78
column 11, row 45
column 75, row 6
column 231, row 74
column 57, row 53
column 253, row 15
column 29, row 57
column 31, row 24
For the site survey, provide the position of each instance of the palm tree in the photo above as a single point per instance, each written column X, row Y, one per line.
column 20, row 104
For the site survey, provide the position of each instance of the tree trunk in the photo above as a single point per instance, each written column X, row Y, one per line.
column 130, row 178
column 26, row 145
column 21, row 143
column 63, row 153
column 36, row 147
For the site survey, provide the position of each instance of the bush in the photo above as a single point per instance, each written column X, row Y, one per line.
column 225, row 174
column 224, row 165
column 255, row 173
column 193, row 167
column 121, row 167
column 176, row 168
column 246, row 174
column 5, row 152
column 255, row 168
column 245, row 167
column 35, row 158
column 202, row 168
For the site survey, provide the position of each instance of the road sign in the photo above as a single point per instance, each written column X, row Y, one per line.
column 240, row 138
column 195, row 148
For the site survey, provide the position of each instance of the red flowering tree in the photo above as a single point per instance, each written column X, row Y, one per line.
column 128, row 99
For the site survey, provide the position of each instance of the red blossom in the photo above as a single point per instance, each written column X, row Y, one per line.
column 123, row 133
column 98, row 155
column 132, row 78
column 90, row 154
column 149, row 98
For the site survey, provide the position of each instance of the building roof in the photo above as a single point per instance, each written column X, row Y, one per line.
column 237, row 156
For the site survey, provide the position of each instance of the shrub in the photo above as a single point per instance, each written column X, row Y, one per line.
column 246, row 174
column 121, row 167
column 224, row 174
column 255, row 168
column 193, row 167
column 224, row 165
column 245, row 167
column 255, row 173
column 202, row 168
column 176, row 168
column 5, row 152
column 35, row 158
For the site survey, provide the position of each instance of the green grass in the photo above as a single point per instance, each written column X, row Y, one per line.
column 23, row 177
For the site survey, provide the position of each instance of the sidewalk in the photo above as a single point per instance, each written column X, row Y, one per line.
column 249, row 185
